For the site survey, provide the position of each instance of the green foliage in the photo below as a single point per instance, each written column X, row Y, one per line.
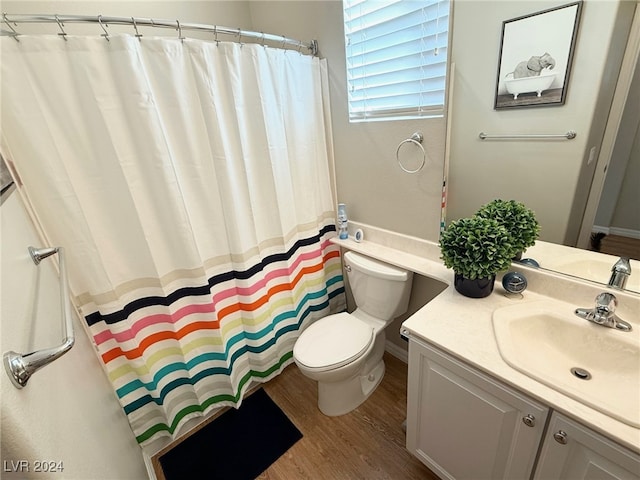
column 476, row 247
column 519, row 221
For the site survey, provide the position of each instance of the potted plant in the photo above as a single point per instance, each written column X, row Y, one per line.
column 519, row 221
column 476, row 249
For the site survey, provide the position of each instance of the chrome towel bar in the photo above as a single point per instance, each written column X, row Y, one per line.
column 19, row 366
column 570, row 135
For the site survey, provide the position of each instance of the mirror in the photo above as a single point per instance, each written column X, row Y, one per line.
column 619, row 199
column 561, row 179
column 585, row 264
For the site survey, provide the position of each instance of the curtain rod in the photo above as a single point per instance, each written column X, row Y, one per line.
column 136, row 22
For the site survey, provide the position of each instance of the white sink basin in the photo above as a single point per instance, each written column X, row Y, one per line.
column 545, row 340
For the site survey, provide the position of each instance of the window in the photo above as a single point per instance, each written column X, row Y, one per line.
column 396, row 58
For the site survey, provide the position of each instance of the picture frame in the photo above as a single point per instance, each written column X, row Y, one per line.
column 535, row 58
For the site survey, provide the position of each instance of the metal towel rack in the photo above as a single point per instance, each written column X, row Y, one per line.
column 19, row 366
column 570, row 135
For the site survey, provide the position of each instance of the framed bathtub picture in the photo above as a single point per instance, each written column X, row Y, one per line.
column 535, row 57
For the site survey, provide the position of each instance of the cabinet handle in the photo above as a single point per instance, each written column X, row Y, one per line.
column 561, row 437
column 529, row 420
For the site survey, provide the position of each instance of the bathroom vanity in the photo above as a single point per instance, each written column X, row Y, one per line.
column 472, row 414
column 475, row 412
column 464, row 424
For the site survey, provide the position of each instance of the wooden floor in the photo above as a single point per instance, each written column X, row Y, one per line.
column 621, row 246
column 368, row 443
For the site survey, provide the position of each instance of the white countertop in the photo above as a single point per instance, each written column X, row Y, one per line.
column 463, row 327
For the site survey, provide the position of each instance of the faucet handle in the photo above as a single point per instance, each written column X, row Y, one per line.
column 606, row 303
column 604, row 313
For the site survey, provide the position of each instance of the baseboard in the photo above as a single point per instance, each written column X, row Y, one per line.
column 621, row 232
column 397, row 351
column 625, row 232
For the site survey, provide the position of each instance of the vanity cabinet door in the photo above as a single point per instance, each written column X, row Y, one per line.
column 464, row 424
column 572, row 451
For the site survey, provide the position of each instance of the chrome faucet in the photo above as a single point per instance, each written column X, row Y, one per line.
column 620, row 273
column 604, row 313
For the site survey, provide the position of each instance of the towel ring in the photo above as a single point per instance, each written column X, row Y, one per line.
column 416, row 139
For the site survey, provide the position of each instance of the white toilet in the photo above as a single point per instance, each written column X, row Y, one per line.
column 343, row 352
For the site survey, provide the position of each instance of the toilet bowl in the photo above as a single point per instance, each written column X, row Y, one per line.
column 343, row 352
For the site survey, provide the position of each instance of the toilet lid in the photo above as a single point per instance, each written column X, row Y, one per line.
column 333, row 341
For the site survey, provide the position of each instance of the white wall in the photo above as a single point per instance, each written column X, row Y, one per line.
column 68, row 411
column 552, row 178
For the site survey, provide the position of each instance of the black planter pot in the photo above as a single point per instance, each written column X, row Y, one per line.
column 478, row 288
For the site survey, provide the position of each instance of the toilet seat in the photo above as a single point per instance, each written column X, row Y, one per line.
column 333, row 342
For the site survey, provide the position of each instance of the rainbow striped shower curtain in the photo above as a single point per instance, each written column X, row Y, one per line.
column 190, row 184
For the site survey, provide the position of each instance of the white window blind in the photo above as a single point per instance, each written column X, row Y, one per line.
column 396, row 58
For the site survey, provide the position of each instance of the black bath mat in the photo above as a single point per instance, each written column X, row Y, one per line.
column 238, row 445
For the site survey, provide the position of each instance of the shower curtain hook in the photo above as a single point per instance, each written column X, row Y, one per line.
column 215, row 35
column 138, row 35
column 262, row 43
column 284, row 39
column 105, row 34
column 180, row 37
column 60, row 24
column 240, row 37
column 14, row 33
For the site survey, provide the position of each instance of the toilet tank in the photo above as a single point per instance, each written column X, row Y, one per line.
column 379, row 289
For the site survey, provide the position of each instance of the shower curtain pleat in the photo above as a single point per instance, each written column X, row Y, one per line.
column 190, row 184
